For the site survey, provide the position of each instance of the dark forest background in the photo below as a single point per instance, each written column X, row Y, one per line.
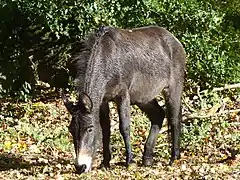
column 36, row 37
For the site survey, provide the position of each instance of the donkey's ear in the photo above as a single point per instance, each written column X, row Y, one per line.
column 69, row 105
column 87, row 102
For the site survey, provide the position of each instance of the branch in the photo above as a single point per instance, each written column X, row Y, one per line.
column 226, row 86
column 193, row 116
column 230, row 86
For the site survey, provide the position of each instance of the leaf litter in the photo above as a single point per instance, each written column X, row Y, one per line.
column 35, row 144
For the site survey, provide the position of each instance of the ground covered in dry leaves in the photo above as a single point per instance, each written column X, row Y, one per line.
column 35, row 142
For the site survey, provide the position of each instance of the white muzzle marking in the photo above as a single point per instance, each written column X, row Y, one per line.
column 84, row 159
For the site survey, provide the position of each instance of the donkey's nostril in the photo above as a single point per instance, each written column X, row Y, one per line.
column 81, row 168
column 84, row 167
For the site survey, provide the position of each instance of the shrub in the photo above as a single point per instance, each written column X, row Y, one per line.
column 37, row 37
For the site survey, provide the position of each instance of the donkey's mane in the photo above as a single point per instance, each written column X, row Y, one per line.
column 83, row 51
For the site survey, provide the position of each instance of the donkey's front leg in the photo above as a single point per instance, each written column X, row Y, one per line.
column 105, row 124
column 123, row 105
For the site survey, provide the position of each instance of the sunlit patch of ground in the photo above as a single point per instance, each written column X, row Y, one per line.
column 35, row 144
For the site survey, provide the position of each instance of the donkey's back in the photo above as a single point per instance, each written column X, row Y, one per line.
column 145, row 61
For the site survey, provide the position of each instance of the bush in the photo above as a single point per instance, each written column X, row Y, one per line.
column 211, row 47
column 37, row 37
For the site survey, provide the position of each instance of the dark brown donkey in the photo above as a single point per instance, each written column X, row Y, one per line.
column 127, row 67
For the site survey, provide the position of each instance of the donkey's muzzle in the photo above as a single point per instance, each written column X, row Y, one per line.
column 80, row 169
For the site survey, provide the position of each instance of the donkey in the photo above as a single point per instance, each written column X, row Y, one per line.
column 129, row 67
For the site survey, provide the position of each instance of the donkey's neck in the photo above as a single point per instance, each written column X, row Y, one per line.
column 96, row 93
column 95, row 85
column 95, row 78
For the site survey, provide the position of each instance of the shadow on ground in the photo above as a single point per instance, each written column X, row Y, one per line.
column 11, row 161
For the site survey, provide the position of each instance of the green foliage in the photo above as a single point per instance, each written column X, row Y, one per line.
column 211, row 47
column 36, row 37
column 196, row 133
column 19, row 123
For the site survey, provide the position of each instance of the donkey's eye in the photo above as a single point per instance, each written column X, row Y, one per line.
column 89, row 130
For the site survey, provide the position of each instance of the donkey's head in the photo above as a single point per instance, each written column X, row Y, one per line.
column 84, row 130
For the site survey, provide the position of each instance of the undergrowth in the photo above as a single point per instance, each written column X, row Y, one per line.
column 35, row 142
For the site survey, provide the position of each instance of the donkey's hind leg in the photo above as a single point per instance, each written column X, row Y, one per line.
column 156, row 115
column 174, row 116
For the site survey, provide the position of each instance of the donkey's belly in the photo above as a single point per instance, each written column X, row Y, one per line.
column 141, row 88
column 145, row 91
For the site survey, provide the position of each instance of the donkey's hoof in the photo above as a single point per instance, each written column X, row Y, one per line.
column 173, row 159
column 171, row 162
column 132, row 166
column 147, row 161
column 130, row 163
column 105, row 166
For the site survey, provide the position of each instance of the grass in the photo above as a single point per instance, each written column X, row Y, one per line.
column 35, row 144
